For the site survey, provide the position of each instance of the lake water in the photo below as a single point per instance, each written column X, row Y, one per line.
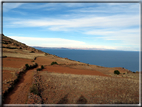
column 126, row 59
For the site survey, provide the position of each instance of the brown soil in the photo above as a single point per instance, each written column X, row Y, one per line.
column 6, row 75
column 20, row 92
column 44, row 60
column 61, row 69
column 47, row 60
column 15, row 62
column 66, row 88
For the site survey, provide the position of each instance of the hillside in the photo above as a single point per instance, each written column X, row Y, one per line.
column 68, row 82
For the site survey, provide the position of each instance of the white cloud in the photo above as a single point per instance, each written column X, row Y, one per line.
column 106, row 8
column 126, row 36
column 112, row 26
column 108, row 21
column 57, row 42
column 49, row 41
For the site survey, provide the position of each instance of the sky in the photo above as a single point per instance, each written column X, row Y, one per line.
column 95, row 26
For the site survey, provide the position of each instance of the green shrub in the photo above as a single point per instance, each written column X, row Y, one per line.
column 38, row 69
column 32, row 52
column 42, row 67
column 36, row 64
column 116, row 72
column 27, row 66
column 54, row 63
column 35, row 58
column 34, row 89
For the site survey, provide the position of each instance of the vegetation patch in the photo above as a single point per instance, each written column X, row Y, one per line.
column 39, row 69
column 31, row 66
column 42, row 67
column 116, row 72
column 32, row 52
column 34, row 89
column 27, row 66
column 12, row 47
column 4, row 56
column 54, row 63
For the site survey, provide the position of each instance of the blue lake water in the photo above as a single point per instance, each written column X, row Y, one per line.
column 126, row 59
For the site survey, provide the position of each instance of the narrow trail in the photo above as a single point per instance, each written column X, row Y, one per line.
column 20, row 92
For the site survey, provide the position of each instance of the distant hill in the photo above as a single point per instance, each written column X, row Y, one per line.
column 13, row 44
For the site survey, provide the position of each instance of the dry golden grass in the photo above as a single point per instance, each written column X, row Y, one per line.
column 19, row 55
column 94, row 89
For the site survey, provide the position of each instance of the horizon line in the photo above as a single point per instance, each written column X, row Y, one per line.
column 83, row 48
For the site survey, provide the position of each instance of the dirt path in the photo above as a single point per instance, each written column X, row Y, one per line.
column 20, row 92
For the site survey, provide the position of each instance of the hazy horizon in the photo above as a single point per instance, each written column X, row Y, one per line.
column 37, row 47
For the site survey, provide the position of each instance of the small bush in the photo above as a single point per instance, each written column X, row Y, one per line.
column 116, row 72
column 54, row 63
column 32, row 52
column 27, row 66
column 34, row 89
column 35, row 58
column 38, row 69
column 42, row 67
column 4, row 56
column 36, row 64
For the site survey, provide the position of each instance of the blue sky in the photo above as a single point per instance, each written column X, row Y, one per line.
column 99, row 26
